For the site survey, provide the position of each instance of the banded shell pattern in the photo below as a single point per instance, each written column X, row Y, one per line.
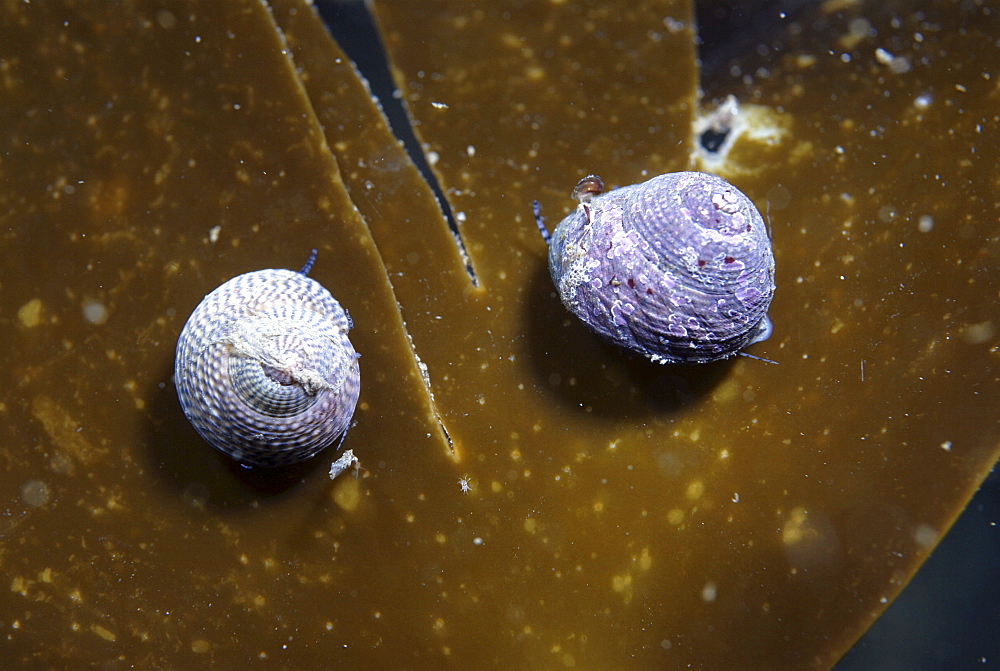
column 678, row 268
column 264, row 368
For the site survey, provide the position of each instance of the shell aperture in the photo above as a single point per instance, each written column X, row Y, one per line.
column 264, row 369
column 678, row 268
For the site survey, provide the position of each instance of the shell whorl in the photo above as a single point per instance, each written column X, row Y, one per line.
column 264, row 368
column 678, row 268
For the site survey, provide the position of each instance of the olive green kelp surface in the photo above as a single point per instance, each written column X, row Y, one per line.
column 618, row 514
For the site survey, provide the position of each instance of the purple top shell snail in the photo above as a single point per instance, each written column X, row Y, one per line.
column 678, row 269
column 264, row 369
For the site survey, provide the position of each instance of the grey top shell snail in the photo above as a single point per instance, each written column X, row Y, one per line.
column 678, row 268
column 264, row 369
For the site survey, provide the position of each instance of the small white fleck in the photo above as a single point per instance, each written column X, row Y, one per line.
column 465, row 484
column 477, row 541
column 470, row 150
column 439, row 106
column 946, row 446
column 213, row 234
column 883, row 56
column 736, row 497
column 925, row 224
column 887, row 213
column 709, row 592
column 432, row 158
column 673, row 25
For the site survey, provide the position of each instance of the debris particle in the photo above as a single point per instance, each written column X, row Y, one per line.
column 897, row 64
column 343, row 462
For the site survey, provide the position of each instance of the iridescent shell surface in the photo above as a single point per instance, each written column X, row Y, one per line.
column 264, row 369
column 678, row 268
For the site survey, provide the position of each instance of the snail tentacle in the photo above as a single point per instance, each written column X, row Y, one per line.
column 536, row 207
column 309, row 263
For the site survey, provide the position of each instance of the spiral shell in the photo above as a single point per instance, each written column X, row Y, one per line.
column 264, row 369
column 678, row 268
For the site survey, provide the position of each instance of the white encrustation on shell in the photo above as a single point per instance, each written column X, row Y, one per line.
column 678, row 268
column 264, row 369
